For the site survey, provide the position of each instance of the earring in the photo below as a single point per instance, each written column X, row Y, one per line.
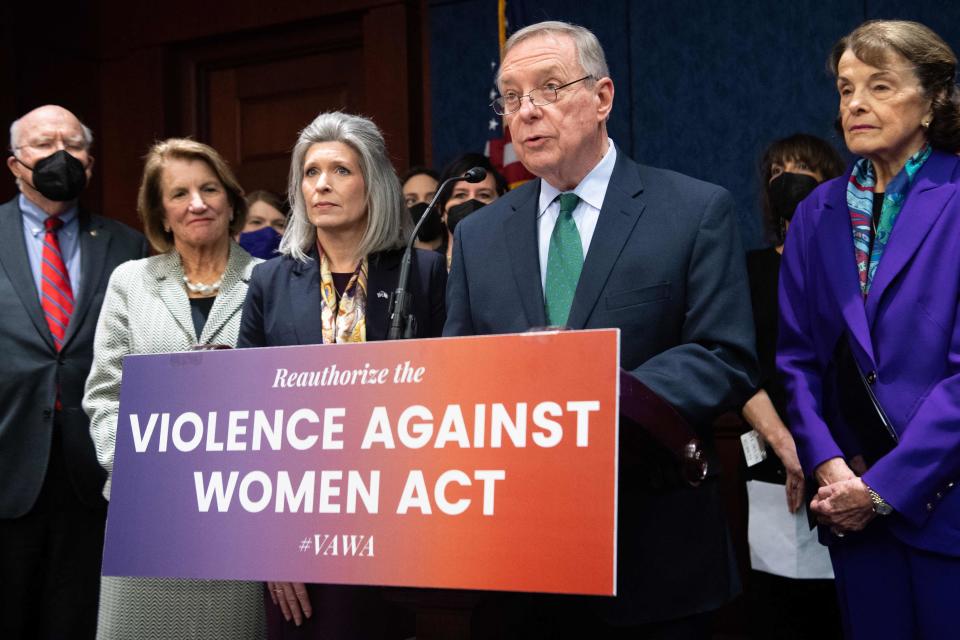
column 925, row 124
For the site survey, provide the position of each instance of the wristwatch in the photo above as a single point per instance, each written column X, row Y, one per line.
column 880, row 506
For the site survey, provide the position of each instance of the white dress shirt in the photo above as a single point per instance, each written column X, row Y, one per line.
column 591, row 191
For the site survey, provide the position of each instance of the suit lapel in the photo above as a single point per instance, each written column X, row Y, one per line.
column 94, row 243
column 925, row 202
column 16, row 263
column 304, row 300
column 520, row 234
column 622, row 206
column 229, row 300
column 382, row 276
column 835, row 239
column 167, row 272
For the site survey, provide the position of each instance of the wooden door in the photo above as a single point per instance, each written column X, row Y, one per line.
column 249, row 95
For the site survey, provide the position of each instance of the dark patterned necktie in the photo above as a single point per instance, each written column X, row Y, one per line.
column 56, row 296
column 564, row 262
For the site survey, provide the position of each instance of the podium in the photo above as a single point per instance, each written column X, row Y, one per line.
column 663, row 424
column 429, row 464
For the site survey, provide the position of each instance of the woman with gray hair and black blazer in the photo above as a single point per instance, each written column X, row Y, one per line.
column 340, row 262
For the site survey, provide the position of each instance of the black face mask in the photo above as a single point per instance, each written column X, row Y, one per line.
column 59, row 176
column 432, row 228
column 457, row 213
column 786, row 191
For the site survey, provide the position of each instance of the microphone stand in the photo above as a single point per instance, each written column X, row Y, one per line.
column 403, row 324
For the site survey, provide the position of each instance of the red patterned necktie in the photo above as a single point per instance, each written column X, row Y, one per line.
column 56, row 296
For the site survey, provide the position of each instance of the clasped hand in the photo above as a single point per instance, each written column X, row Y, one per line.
column 842, row 502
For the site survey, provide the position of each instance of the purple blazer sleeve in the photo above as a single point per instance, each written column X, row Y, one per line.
column 798, row 359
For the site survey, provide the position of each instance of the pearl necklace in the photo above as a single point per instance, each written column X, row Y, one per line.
column 203, row 289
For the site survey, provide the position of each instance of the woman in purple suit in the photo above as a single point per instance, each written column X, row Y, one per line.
column 870, row 336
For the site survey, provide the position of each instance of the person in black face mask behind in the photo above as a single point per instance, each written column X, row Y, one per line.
column 464, row 198
column 60, row 177
column 55, row 261
column 783, row 606
column 419, row 187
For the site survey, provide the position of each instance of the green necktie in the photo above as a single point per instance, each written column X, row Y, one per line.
column 564, row 262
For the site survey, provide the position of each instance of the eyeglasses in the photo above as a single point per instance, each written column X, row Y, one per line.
column 541, row 97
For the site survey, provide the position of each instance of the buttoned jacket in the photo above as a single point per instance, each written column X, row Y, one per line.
column 665, row 267
column 146, row 310
column 33, row 372
column 905, row 338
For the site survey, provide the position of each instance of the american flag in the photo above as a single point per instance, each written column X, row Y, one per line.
column 499, row 146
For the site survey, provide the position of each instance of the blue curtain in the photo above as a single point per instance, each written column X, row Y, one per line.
column 700, row 87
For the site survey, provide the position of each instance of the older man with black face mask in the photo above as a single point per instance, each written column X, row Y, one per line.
column 55, row 260
column 599, row 241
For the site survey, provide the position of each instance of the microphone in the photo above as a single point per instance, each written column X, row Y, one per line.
column 477, row 174
column 403, row 324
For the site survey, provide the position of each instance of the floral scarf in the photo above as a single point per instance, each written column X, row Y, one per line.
column 860, row 191
column 344, row 321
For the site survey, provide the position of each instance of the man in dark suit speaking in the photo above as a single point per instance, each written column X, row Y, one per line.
column 55, row 260
column 600, row 241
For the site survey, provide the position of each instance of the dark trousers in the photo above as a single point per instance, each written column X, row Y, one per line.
column 343, row 612
column 696, row 627
column 889, row 590
column 505, row 616
column 788, row 609
column 50, row 562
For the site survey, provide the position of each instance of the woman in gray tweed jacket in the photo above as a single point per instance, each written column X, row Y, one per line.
column 191, row 206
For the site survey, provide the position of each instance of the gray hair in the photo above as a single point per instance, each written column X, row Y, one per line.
column 589, row 52
column 15, row 135
column 388, row 222
column 933, row 62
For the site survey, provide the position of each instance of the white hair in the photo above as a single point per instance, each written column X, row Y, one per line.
column 15, row 135
column 589, row 52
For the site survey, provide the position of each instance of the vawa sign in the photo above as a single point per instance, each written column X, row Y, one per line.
column 476, row 463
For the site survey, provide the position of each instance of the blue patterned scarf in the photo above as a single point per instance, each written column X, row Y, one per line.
column 860, row 191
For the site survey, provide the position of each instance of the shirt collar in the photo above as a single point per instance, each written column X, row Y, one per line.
column 33, row 217
column 591, row 189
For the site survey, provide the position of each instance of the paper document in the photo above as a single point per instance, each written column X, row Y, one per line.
column 781, row 542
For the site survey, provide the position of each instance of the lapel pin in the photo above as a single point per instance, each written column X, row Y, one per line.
column 382, row 294
column 93, row 232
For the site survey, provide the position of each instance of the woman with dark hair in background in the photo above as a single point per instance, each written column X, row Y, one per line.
column 341, row 256
column 419, row 185
column 791, row 589
column 265, row 209
column 463, row 198
column 266, row 222
column 869, row 342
